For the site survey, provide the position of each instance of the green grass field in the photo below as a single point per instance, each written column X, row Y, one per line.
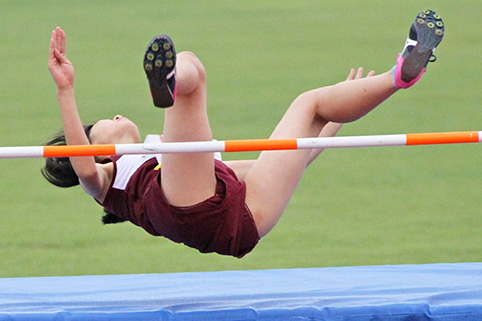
column 390, row 205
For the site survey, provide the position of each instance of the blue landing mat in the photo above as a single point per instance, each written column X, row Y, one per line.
column 403, row 292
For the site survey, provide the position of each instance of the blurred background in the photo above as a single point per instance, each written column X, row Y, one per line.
column 372, row 206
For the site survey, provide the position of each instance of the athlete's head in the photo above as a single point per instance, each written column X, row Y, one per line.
column 119, row 130
column 59, row 170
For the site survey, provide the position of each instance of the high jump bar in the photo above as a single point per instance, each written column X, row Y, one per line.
column 242, row 145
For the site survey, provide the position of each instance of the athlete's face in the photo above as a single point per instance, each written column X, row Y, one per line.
column 119, row 130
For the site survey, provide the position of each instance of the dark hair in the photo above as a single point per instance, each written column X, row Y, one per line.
column 59, row 172
column 111, row 218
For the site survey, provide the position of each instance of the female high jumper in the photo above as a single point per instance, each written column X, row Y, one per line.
column 195, row 199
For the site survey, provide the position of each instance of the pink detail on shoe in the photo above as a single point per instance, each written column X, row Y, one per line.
column 397, row 79
column 175, row 86
column 175, row 92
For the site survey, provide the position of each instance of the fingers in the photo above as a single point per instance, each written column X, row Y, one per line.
column 57, row 57
column 61, row 40
column 358, row 74
column 351, row 75
column 60, row 57
column 58, row 42
column 52, row 45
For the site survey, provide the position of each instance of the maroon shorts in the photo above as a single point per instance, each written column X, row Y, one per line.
column 221, row 224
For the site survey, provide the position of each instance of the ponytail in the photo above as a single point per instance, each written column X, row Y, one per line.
column 111, row 218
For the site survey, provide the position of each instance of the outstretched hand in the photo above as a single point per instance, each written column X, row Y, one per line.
column 60, row 67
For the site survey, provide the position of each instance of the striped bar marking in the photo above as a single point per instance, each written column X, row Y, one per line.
column 78, row 150
column 173, row 147
column 242, row 145
column 352, row 141
column 443, row 138
column 259, row 144
column 21, row 152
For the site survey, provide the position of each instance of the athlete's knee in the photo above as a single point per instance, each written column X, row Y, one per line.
column 320, row 102
column 191, row 76
column 190, row 57
column 309, row 103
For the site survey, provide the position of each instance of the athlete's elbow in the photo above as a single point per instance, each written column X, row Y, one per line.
column 92, row 184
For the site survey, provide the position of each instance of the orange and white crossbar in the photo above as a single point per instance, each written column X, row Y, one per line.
column 243, row 145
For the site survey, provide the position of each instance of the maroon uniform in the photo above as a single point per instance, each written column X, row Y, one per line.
column 221, row 224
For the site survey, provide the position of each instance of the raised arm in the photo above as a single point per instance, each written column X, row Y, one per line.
column 91, row 176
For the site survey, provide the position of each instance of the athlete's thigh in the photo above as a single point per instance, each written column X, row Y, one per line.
column 188, row 179
column 274, row 176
